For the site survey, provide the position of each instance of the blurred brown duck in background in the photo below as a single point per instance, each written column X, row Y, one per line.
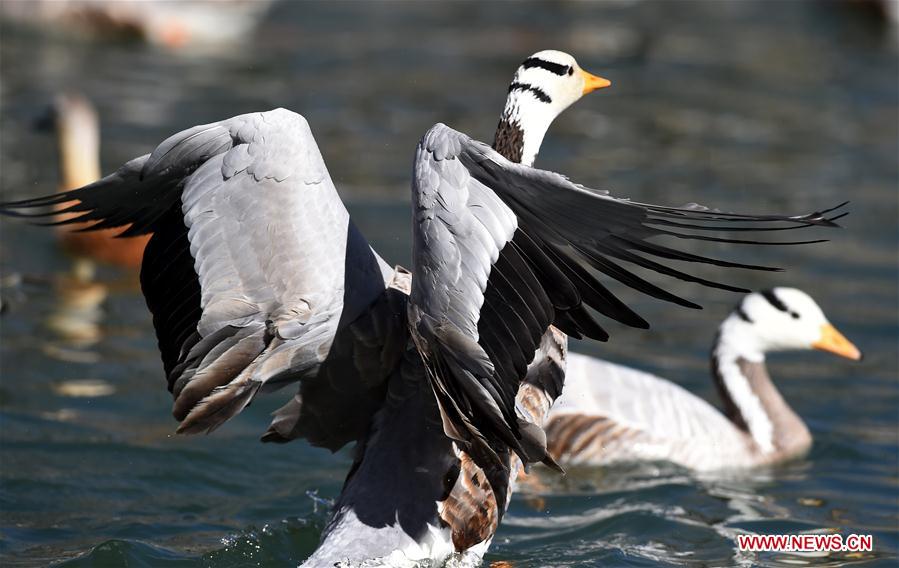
column 175, row 25
column 77, row 128
column 76, row 318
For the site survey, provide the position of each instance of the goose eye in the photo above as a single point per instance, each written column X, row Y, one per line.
column 795, row 315
column 570, row 70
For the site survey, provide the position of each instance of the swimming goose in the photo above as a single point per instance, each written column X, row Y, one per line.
column 257, row 278
column 610, row 413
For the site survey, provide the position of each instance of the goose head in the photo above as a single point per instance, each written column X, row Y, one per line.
column 783, row 319
column 544, row 85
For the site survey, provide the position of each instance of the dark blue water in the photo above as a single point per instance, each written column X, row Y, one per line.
column 768, row 106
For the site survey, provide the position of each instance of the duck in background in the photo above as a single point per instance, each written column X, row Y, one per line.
column 609, row 413
column 174, row 25
column 77, row 316
column 77, row 129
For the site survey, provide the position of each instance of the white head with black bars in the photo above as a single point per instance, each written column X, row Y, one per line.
column 544, row 85
column 782, row 319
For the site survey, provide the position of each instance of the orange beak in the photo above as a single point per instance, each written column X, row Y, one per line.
column 834, row 341
column 592, row 82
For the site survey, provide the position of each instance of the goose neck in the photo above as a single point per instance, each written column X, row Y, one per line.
column 521, row 129
column 750, row 398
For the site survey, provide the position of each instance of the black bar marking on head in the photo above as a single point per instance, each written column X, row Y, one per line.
column 555, row 68
column 774, row 300
column 742, row 314
column 537, row 92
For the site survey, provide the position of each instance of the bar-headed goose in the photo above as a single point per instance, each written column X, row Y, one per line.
column 610, row 413
column 544, row 85
column 257, row 278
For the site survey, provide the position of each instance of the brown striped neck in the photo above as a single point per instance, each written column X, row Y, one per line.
column 509, row 140
column 522, row 126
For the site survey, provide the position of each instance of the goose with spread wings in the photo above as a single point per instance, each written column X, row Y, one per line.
column 257, row 278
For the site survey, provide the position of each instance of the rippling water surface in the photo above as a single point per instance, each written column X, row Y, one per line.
column 767, row 106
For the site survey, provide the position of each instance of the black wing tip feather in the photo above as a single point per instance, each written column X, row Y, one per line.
column 820, row 217
column 11, row 209
column 819, row 220
column 700, row 212
column 18, row 208
column 71, row 221
column 7, row 207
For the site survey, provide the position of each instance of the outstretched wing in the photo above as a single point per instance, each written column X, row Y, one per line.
column 254, row 265
column 501, row 251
